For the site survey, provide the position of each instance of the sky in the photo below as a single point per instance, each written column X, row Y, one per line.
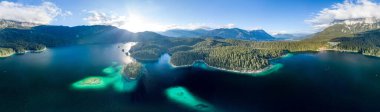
column 275, row 16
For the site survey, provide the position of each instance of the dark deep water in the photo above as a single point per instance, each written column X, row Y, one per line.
column 325, row 81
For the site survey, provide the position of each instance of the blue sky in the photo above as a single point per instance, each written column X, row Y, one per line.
column 270, row 15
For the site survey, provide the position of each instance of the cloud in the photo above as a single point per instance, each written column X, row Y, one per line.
column 137, row 23
column 131, row 22
column 100, row 18
column 40, row 14
column 230, row 25
column 278, row 32
column 191, row 26
column 349, row 9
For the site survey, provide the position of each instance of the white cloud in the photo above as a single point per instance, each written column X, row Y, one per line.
column 40, row 14
column 191, row 26
column 137, row 23
column 349, row 9
column 131, row 22
column 255, row 28
column 230, row 25
column 278, row 32
column 99, row 18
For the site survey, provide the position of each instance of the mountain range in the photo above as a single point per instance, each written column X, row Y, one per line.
column 347, row 28
column 292, row 36
column 15, row 34
column 229, row 33
column 50, row 36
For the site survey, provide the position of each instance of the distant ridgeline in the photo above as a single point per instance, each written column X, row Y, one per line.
column 226, row 33
column 21, row 39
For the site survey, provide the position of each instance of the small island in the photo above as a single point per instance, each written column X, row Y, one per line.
column 94, row 82
column 6, row 52
column 133, row 70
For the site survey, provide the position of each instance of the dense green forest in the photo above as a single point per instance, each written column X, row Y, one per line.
column 36, row 38
column 292, row 46
column 153, row 49
column 218, row 53
column 241, row 58
column 4, row 52
column 367, row 43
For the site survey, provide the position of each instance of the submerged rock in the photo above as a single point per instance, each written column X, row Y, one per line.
column 201, row 106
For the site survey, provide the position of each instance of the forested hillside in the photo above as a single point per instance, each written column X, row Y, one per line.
column 38, row 37
column 367, row 43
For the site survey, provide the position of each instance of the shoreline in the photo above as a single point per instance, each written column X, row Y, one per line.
column 39, row 51
column 26, row 51
column 349, row 51
column 233, row 71
column 337, row 50
column 223, row 69
column 8, row 55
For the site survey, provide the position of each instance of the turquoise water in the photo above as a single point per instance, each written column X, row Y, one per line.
column 325, row 81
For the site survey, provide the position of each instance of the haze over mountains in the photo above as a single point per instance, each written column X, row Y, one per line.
column 16, row 24
column 338, row 28
column 232, row 33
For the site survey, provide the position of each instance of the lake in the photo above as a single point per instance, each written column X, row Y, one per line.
column 323, row 81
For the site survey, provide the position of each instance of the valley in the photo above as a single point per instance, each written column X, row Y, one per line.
column 237, row 54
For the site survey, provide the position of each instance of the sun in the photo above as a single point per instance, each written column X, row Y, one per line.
column 137, row 23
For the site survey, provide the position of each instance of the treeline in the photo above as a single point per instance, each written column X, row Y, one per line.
column 292, row 46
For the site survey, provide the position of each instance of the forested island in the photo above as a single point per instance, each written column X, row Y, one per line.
column 133, row 70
